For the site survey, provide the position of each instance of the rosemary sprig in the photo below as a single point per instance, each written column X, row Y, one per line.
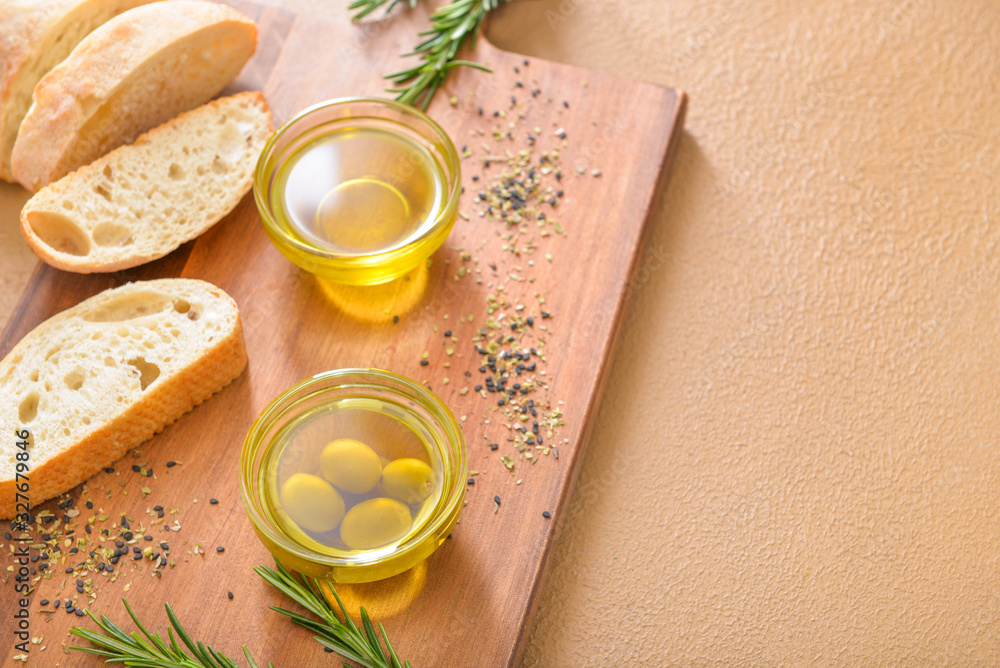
column 369, row 6
column 452, row 26
column 341, row 635
column 149, row 650
column 364, row 647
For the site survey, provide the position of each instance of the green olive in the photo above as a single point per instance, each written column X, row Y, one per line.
column 312, row 503
column 374, row 523
column 350, row 465
column 408, row 480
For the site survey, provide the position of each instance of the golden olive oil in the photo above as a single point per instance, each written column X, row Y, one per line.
column 351, row 476
column 359, row 191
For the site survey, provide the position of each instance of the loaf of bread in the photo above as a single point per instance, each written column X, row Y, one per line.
column 35, row 37
column 143, row 200
column 133, row 73
column 98, row 379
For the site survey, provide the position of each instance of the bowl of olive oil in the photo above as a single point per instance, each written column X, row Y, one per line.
column 354, row 475
column 358, row 190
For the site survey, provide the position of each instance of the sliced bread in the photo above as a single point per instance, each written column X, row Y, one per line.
column 100, row 378
column 143, row 200
column 133, row 73
column 34, row 38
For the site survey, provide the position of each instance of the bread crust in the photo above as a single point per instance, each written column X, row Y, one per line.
column 74, row 91
column 57, row 191
column 25, row 27
column 213, row 370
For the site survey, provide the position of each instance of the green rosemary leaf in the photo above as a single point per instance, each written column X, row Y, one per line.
column 395, row 659
column 342, row 651
column 366, row 622
column 182, row 634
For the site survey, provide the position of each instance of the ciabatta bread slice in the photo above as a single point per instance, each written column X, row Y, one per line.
column 133, row 73
column 143, row 200
column 100, row 378
column 35, row 37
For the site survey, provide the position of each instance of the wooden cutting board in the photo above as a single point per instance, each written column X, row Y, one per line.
column 471, row 602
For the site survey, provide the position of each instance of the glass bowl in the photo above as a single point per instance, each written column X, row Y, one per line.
column 338, row 115
column 440, row 431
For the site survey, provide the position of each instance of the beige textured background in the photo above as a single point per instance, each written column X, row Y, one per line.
column 796, row 461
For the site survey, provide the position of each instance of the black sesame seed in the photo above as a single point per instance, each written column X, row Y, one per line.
column 69, row 570
column 79, row 583
column 148, row 537
column 213, row 501
column 501, row 402
column 157, row 507
column 137, row 557
column 220, row 549
column 496, row 499
column 108, row 569
column 325, row 649
column 171, row 464
column 44, row 601
column 110, row 469
column 90, row 505
column 230, row 595
column 470, row 481
column 70, row 609
column 546, row 514
column 79, row 612
column 424, row 362
column 163, row 561
column 86, row 527
column 395, row 319
column 164, row 546
column 447, row 333
column 494, row 446
column 79, row 590
column 137, row 550
column 56, row 603
column 119, row 543
column 135, row 467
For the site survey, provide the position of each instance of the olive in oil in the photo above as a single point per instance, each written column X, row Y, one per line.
column 351, row 475
column 359, row 191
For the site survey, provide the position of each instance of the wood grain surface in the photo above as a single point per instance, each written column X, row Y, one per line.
column 469, row 603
